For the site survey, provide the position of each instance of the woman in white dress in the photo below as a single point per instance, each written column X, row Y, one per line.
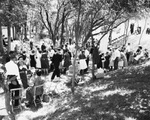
column 38, row 59
column 82, row 62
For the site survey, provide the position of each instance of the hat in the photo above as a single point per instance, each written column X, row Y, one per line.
column 12, row 56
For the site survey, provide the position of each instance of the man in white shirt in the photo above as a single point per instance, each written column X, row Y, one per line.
column 128, row 51
column 51, row 52
column 13, row 78
column 12, row 68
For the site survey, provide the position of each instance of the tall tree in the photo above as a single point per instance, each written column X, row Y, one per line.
column 52, row 14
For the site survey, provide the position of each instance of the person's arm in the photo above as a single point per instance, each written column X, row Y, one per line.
column 16, row 70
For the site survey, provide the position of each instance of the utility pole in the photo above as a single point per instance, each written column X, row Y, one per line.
column 9, row 25
column 1, row 39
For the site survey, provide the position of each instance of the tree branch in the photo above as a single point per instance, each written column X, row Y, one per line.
column 43, row 19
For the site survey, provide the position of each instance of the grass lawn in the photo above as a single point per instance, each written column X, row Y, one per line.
column 124, row 96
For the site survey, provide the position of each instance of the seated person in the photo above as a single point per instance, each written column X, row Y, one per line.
column 138, row 51
column 13, row 85
column 30, row 91
column 146, row 53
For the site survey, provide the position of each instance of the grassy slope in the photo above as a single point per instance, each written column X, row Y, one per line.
column 124, row 95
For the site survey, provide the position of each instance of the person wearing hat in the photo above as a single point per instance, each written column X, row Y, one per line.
column 30, row 90
column 56, row 60
column 82, row 62
column 13, row 76
column 23, row 72
column 12, row 68
column 128, row 51
column 44, row 62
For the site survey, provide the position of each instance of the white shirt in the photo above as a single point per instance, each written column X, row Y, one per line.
column 12, row 69
column 51, row 53
column 128, row 49
column 113, row 56
column 117, row 53
column 87, row 53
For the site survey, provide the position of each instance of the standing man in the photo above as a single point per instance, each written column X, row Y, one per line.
column 128, row 52
column 12, row 68
column 56, row 59
column 13, row 78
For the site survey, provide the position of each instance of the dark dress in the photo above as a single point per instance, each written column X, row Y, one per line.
column 32, row 61
column 57, row 58
column 44, row 61
column 23, row 77
column 100, row 65
column 95, row 53
column 107, row 61
column 67, row 60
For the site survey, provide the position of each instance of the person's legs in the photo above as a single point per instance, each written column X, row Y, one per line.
column 29, row 95
column 116, row 63
column 53, row 75
column 58, row 72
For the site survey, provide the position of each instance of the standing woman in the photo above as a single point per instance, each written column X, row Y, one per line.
column 38, row 59
column 124, row 58
column 44, row 62
column 32, row 59
column 23, row 72
column 67, row 59
column 82, row 62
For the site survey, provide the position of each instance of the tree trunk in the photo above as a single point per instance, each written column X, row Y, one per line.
column 143, row 31
column 13, row 32
column 25, row 31
column 9, row 36
column 17, row 31
column 126, row 31
column 74, row 72
column 1, row 40
column 54, row 40
column 110, row 37
column 93, row 66
column 62, row 28
column 77, row 39
column 7, row 97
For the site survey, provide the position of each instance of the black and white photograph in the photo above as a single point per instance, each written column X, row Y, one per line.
column 74, row 59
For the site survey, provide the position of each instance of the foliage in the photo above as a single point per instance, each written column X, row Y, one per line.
column 14, row 11
column 50, row 14
column 108, row 14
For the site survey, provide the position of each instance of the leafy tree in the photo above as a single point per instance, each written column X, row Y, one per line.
column 52, row 15
column 14, row 14
column 95, row 15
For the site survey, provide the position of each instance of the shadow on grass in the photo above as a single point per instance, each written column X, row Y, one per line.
column 125, row 94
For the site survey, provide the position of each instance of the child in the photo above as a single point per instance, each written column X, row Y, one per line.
column 30, row 91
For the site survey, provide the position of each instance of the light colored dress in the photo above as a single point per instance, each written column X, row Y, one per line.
column 82, row 62
column 38, row 60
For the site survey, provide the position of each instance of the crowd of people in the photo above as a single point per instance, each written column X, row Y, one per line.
column 118, row 58
column 45, row 59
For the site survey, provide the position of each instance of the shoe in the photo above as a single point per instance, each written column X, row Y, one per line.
column 29, row 105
